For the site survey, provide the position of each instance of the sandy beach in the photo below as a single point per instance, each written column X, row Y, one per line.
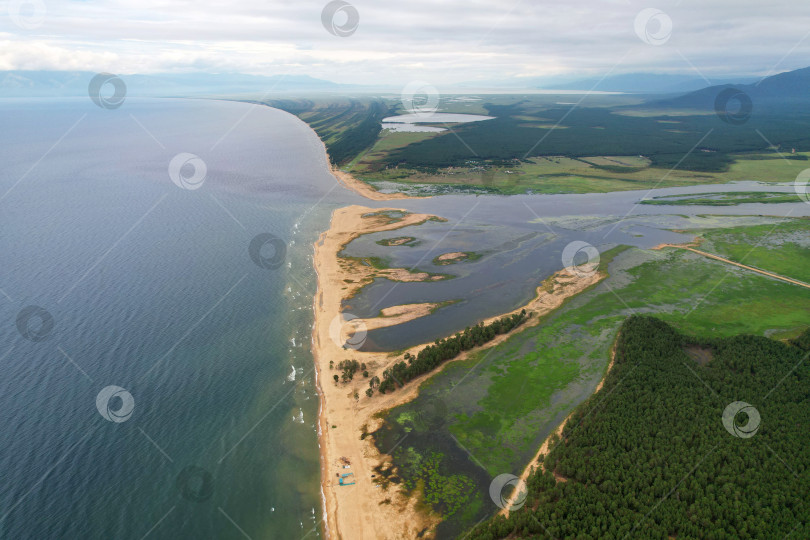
column 364, row 189
column 363, row 510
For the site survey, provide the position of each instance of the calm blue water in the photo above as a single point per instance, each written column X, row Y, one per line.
column 152, row 288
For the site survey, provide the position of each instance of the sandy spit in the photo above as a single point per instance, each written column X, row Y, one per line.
column 363, row 510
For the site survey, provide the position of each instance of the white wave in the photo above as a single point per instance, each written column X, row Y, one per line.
column 291, row 376
column 299, row 417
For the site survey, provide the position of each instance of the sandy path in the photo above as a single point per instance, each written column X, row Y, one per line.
column 364, row 511
column 727, row 261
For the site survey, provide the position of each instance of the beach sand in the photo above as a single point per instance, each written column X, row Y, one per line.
column 364, row 189
column 363, row 510
column 394, row 315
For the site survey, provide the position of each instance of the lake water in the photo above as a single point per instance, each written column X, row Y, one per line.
column 522, row 239
column 436, row 118
column 155, row 289
column 152, row 289
column 411, row 128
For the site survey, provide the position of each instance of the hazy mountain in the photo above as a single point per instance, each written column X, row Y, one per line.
column 784, row 89
column 75, row 83
column 635, row 83
column 644, row 83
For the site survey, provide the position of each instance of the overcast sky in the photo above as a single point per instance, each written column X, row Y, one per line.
column 441, row 41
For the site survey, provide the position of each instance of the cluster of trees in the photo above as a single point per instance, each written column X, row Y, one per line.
column 373, row 383
column 445, row 349
column 649, row 456
column 349, row 368
column 803, row 341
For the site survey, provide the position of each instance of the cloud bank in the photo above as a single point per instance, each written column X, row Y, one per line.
column 395, row 42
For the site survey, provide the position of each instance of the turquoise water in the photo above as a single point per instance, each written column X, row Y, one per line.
column 152, row 288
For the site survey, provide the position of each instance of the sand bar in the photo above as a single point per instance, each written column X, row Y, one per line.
column 363, row 510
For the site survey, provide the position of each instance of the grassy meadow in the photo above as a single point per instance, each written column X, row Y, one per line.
column 499, row 405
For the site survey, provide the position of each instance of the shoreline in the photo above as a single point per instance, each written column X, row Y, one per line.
column 359, row 187
column 351, row 509
column 363, row 510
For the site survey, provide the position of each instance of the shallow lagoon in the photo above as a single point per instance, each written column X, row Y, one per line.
column 522, row 238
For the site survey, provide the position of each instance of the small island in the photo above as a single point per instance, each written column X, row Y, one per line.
column 456, row 257
column 409, row 241
column 724, row 199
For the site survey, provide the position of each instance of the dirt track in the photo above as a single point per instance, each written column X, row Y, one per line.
column 727, row 261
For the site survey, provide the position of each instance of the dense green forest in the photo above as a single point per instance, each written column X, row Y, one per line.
column 604, row 132
column 444, row 349
column 803, row 341
column 347, row 128
column 650, row 457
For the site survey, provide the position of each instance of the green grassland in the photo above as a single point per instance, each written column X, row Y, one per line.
column 652, row 455
column 782, row 248
column 724, row 199
column 500, row 404
column 561, row 174
column 542, row 144
column 554, row 174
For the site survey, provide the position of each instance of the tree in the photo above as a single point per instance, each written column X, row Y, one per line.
column 445, row 349
column 655, row 460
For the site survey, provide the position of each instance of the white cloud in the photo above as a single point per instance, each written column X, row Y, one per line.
column 444, row 42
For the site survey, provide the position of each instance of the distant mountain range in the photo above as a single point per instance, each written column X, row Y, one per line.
column 784, row 89
column 75, row 83
column 693, row 92
column 644, row 83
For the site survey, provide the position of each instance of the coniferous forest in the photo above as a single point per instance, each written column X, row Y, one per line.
column 649, row 455
column 444, row 349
